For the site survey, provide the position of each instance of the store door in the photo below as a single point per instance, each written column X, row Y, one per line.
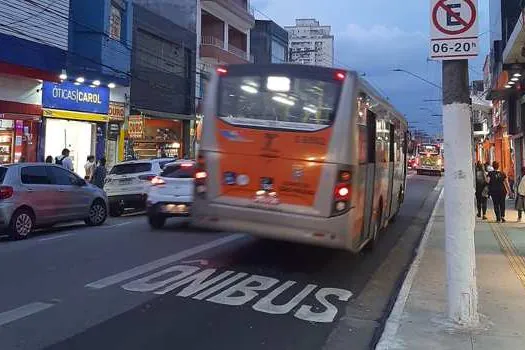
column 74, row 135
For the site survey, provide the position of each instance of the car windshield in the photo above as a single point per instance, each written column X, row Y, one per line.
column 130, row 168
column 278, row 101
column 179, row 171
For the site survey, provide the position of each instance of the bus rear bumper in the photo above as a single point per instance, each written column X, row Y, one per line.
column 327, row 232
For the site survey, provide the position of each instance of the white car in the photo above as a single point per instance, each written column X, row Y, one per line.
column 171, row 193
column 127, row 183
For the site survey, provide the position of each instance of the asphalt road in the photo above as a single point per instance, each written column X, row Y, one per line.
column 114, row 287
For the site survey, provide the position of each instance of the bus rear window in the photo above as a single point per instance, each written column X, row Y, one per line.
column 428, row 149
column 278, row 102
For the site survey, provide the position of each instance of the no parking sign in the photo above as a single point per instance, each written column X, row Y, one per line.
column 454, row 29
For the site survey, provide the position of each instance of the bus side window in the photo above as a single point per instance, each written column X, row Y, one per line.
column 362, row 144
column 371, row 128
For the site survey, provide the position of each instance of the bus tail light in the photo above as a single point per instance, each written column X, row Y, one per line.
column 201, row 177
column 342, row 193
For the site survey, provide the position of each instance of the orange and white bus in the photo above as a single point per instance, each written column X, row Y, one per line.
column 299, row 153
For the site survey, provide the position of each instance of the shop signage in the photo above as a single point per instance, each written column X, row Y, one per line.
column 136, row 127
column 116, row 111
column 70, row 97
column 113, row 131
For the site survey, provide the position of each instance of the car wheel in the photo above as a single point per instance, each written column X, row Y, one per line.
column 97, row 214
column 116, row 210
column 157, row 222
column 22, row 224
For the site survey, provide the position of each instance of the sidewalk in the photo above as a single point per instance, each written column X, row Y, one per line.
column 418, row 319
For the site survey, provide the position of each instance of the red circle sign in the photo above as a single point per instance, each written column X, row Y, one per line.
column 465, row 25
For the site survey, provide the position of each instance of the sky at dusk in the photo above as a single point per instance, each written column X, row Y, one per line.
column 376, row 36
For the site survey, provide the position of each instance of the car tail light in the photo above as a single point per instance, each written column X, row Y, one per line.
column 201, row 176
column 157, row 181
column 148, row 177
column 342, row 193
column 221, row 71
column 6, row 192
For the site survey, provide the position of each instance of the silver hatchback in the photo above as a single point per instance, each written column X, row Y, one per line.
column 39, row 195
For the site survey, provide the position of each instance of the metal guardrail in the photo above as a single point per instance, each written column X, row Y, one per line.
column 218, row 43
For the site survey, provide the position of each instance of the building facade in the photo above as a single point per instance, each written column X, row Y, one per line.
column 269, row 43
column 504, row 73
column 162, row 98
column 223, row 37
column 311, row 43
column 35, row 46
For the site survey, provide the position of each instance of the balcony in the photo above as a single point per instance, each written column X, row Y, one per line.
column 215, row 48
column 235, row 12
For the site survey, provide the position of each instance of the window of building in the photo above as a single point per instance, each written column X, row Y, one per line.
column 159, row 54
column 278, row 52
column 115, row 22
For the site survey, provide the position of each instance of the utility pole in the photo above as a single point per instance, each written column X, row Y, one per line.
column 459, row 201
column 455, row 24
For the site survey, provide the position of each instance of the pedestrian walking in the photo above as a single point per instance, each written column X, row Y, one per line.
column 482, row 191
column 520, row 195
column 99, row 175
column 49, row 159
column 89, row 167
column 498, row 190
column 64, row 160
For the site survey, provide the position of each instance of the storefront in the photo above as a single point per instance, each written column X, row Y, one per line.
column 154, row 137
column 18, row 138
column 115, row 139
column 76, row 118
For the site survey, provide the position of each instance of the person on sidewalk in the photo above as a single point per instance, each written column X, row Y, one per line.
column 99, row 175
column 498, row 189
column 520, row 195
column 89, row 167
column 64, row 160
column 482, row 190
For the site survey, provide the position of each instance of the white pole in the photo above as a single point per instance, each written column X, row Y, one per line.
column 459, row 196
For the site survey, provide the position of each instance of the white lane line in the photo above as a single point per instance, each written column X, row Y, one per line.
column 117, row 225
column 22, row 311
column 142, row 269
column 56, row 237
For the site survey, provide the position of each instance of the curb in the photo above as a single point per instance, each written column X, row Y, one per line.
column 394, row 319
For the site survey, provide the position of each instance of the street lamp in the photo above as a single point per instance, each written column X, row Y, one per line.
column 418, row 77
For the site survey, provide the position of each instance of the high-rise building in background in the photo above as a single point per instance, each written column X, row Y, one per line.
column 310, row 43
column 269, row 42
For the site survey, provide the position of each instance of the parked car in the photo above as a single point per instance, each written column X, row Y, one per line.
column 412, row 163
column 128, row 182
column 40, row 194
column 171, row 193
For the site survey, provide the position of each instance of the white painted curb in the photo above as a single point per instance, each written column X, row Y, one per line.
column 388, row 338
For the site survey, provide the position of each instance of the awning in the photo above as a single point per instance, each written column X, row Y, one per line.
column 165, row 115
column 89, row 117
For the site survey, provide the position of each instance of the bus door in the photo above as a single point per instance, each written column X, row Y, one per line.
column 391, row 168
column 370, row 173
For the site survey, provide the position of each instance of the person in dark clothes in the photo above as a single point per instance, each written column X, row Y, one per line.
column 99, row 175
column 49, row 159
column 481, row 191
column 498, row 189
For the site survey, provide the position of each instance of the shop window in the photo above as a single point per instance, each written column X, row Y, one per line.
column 63, row 177
column 35, row 175
column 115, row 22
